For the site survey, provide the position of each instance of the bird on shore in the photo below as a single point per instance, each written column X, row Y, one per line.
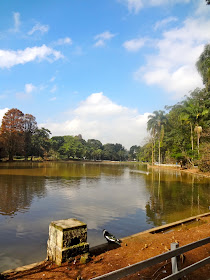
column 110, row 237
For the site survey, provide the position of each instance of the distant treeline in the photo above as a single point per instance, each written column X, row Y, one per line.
column 21, row 138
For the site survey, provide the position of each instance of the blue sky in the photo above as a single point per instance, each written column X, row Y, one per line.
column 99, row 68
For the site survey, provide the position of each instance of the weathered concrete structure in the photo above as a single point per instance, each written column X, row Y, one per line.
column 67, row 238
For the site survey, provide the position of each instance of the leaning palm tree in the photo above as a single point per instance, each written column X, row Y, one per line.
column 155, row 125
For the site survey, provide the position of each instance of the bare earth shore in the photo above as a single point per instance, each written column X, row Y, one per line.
column 133, row 249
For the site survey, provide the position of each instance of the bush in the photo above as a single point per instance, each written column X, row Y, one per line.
column 204, row 166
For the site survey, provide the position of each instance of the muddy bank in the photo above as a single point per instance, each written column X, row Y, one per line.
column 194, row 171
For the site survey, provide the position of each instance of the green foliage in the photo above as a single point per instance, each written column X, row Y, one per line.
column 41, row 142
column 203, row 65
column 133, row 152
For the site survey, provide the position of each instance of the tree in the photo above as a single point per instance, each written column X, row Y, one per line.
column 192, row 113
column 134, row 150
column 156, row 124
column 203, row 66
column 41, row 142
column 93, row 149
column 30, row 126
column 12, row 132
column 152, row 127
column 71, row 147
column 176, row 136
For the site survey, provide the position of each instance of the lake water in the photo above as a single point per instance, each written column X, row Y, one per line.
column 122, row 198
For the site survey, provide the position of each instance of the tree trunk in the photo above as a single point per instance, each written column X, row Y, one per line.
column 159, row 151
column 10, row 157
column 198, row 140
column 191, row 136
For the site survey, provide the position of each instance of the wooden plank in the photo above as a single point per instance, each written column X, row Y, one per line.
column 188, row 269
column 122, row 272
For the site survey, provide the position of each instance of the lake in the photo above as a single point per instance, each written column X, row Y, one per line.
column 122, row 198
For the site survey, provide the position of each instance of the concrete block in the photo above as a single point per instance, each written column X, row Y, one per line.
column 67, row 238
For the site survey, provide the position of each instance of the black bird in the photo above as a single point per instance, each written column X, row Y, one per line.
column 110, row 237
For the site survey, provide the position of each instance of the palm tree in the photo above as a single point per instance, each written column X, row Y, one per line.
column 192, row 114
column 152, row 127
column 156, row 124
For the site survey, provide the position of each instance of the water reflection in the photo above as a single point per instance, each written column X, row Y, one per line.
column 175, row 196
column 123, row 198
column 17, row 193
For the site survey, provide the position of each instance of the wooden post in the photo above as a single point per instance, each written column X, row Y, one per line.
column 175, row 260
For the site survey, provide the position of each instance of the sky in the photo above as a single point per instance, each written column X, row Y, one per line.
column 99, row 68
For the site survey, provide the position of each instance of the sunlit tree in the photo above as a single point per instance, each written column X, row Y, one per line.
column 12, row 132
column 203, row 65
column 156, row 124
column 30, row 127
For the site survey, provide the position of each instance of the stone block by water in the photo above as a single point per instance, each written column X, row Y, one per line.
column 67, row 238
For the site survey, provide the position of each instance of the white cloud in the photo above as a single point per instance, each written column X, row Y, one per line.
column 10, row 58
column 163, row 2
column 2, row 113
column 52, row 79
column 134, row 6
column 29, row 88
column 100, row 118
column 63, row 41
column 102, row 38
column 53, row 99
column 173, row 67
column 164, row 22
column 27, row 93
column 16, row 17
column 53, row 89
column 202, row 9
column 134, row 44
column 39, row 27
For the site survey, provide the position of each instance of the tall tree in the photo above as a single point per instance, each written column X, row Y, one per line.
column 156, row 124
column 193, row 112
column 41, row 142
column 30, row 127
column 12, row 132
column 203, row 66
column 152, row 127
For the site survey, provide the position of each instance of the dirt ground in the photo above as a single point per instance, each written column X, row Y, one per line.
column 133, row 249
column 191, row 170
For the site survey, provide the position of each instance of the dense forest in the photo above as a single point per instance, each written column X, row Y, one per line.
column 181, row 133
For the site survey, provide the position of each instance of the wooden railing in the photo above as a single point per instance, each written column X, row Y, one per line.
column 173, row 254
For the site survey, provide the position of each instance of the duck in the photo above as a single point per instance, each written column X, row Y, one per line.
column 111, row 238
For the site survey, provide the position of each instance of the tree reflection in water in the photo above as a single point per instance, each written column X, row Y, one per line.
column 17, row 193
column 175, row 196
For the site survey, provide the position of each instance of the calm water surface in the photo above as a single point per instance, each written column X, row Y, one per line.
column 124, row 199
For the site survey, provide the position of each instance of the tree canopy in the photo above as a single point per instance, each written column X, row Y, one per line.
column 182, row 133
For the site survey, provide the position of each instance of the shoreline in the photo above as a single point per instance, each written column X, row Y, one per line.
column 194, row 171
column 134, row 248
